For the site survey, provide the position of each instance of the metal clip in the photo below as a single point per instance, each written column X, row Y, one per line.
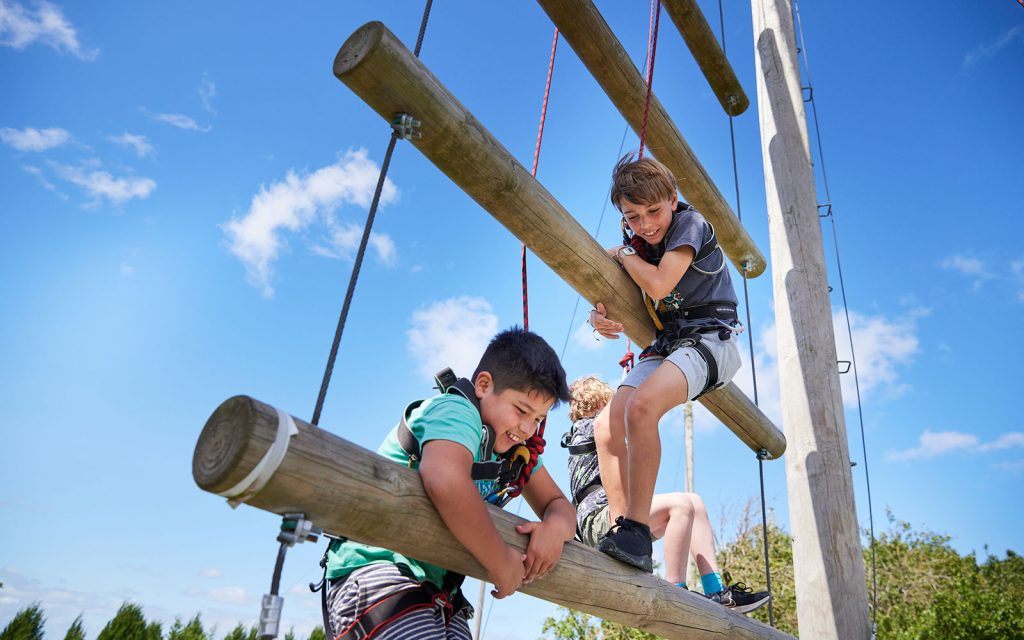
column 844, row 370
column 405, row 126
column 828, row 210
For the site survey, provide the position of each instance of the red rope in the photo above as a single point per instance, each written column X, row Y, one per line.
column 536, row 161
column 535, row 444
column 652, row 48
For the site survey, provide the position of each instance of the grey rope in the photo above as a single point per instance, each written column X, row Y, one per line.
column 362, row 247
column 762, row 454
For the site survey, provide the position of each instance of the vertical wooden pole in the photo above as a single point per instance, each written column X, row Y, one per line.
column 831, row 594
column 691, row 564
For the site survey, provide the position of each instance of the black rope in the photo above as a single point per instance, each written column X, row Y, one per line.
column 762, row 454
column 362, row 247
column 846, row 310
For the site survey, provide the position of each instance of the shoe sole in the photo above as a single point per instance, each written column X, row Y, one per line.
column 644, row 563
column 753, row 606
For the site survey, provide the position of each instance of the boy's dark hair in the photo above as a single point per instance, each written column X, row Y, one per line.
column 643, row 181
column 520, row 360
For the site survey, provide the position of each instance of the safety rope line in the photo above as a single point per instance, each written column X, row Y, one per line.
column 652, row 48
column 762, row 454
column 536, row 161
column 357, row 266
column 802, row 49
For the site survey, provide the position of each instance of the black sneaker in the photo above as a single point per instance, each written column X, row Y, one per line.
column 745, row 599
column 723, row 597
column 630, row 542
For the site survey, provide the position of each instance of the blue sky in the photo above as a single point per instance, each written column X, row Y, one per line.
column 183, row 190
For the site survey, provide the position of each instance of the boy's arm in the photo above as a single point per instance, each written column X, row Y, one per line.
column 445, row 470
column 557, row 525
column 657, row 280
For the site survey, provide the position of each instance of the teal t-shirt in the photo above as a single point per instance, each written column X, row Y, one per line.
column 445, row 417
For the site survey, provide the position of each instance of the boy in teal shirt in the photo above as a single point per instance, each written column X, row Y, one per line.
column 377, row 592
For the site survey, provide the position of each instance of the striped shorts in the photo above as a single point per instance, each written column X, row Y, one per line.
column 348, row 599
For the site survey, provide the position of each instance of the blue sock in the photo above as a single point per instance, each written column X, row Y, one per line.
column 681, row 584
column 711, row 582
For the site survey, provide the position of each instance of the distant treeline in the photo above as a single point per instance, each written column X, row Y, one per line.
column 129, row 624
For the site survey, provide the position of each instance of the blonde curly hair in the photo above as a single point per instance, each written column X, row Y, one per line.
column 589, row 395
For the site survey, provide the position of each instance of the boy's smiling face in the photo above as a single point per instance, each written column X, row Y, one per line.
column 649, row 221
column 514, row 415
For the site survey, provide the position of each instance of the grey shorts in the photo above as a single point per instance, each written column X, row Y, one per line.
column 691, row 363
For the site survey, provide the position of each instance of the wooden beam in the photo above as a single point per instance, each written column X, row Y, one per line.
column 697, row 34
column 831, row 593
column 352, row 492
column 604, row 56
column 467, row 153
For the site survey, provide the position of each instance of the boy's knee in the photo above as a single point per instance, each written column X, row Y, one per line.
column 681, row 504
column 697, row 503
column 641, row 413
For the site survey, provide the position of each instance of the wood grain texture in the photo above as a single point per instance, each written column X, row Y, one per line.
column 473, row 158
column 352, row 492
column 831, row 591
column 713, row 63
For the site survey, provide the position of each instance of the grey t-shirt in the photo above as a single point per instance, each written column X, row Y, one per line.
column 706, row 280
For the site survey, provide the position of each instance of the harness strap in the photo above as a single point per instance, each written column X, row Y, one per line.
column 386, row 610
column 595, row 485
column 691, row 338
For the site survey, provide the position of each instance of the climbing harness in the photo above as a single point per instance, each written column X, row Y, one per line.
column 427, row 595
column 512, row 466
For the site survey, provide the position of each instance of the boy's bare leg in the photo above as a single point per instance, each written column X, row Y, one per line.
column 672, row 520
column 703, row 540
column 610, row 438
column 666, row 388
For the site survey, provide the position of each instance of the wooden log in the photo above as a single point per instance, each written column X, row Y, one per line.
column 713, row 63
column 604, row 56
column 467, row 153
column 831, row 593
column 352, row 492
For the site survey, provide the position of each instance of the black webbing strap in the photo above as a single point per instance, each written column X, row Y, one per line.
column 705, row 353
column 385, row 610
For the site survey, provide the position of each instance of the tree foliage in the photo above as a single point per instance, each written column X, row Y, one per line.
column 127, row 624
column 318, row 634
column 27, row 624
column 76, row 631
column 925, row 589
column 191, row 631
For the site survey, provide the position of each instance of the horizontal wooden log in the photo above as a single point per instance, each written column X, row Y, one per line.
column 604, row 56
column 352, row 492
column 472, row 157
column 697, row 34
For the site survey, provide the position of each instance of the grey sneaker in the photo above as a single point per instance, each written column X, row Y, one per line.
column 723, row 597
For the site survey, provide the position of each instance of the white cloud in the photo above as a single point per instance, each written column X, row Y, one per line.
column 181, row 121
column 49, row 186
column 229, row 595
column 451, row 333
column 969, row 266
column 29, row 139
column 137, row 142
column 935, row 443
column 990, row 49
column 296, row 203
column 100, row 184
column 583, row 337
column 207, row 91
column 211, row 572
column 46, row 24
column 343, row 242
column 884, row 347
